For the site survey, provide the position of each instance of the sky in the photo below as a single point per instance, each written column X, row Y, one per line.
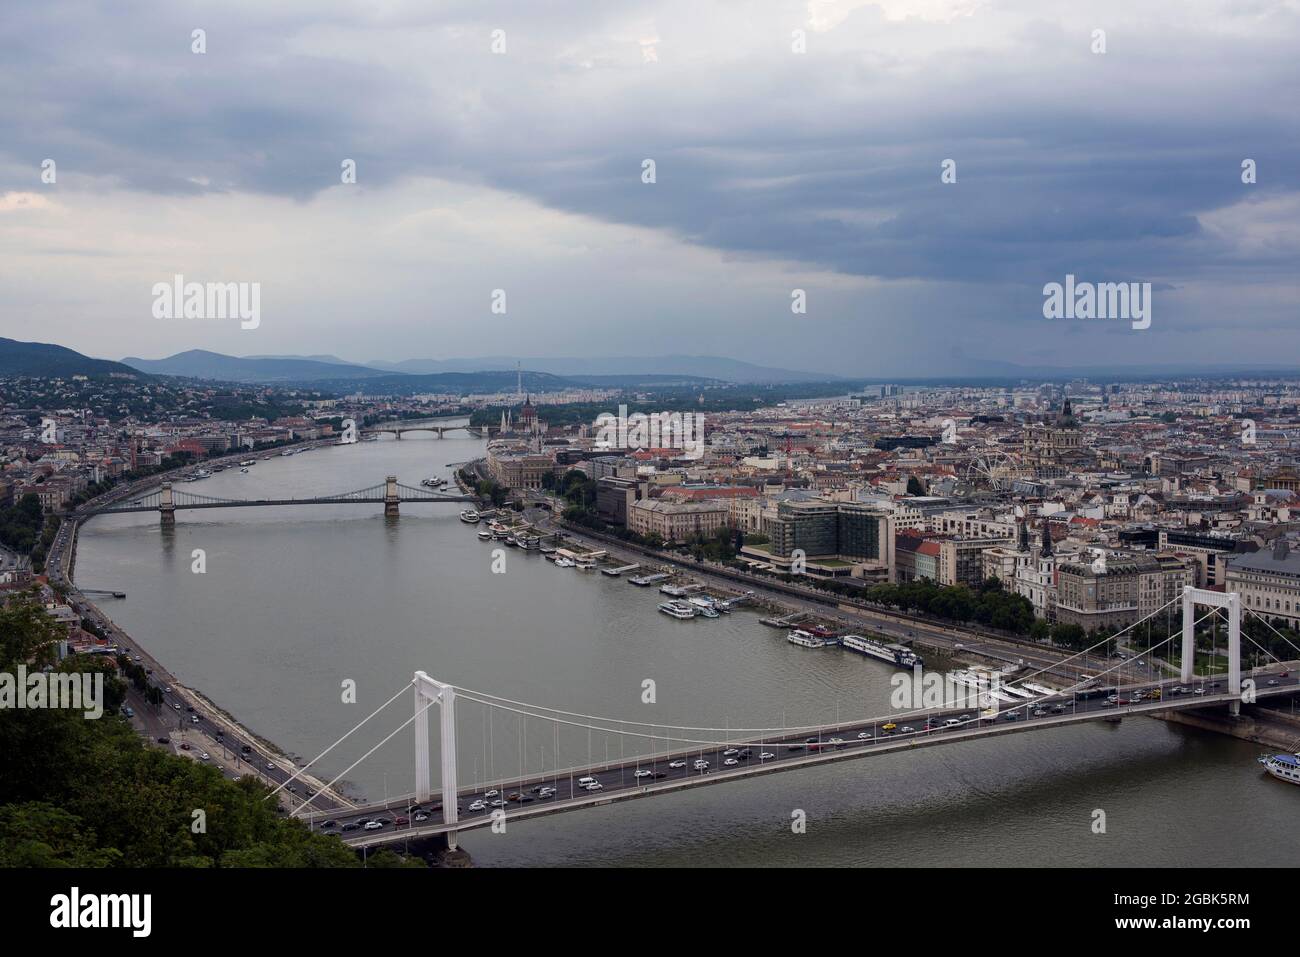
column 795, row 146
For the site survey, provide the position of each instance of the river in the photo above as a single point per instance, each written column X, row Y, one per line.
column 298, row 600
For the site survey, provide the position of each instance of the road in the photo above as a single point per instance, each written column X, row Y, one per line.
column 184, row 718
column 620, row 779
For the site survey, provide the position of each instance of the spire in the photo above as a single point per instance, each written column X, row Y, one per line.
column 1024, row 537
column 1047, row 540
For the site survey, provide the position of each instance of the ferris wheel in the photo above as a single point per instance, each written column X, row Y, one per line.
column 991, row 468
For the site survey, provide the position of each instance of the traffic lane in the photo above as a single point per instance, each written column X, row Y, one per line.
column 783, row 749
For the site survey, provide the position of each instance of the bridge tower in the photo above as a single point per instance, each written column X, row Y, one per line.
column 391, row 496
column 427, row 690
column 167, row 505
column 1231, row 601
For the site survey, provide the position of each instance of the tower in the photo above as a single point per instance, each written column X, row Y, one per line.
column 1024, row 537
column 1046, row 551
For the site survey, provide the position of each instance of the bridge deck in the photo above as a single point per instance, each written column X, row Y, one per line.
column 785, row 758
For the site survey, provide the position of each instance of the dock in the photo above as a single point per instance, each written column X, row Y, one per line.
column 648, row 579
column 785, row 622
column 615, row 572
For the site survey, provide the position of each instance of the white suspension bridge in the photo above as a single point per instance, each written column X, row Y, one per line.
column 681, row 756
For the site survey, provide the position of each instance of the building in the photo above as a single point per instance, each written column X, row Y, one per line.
column 1268, row 581
column 519, row 470
column 614, row 498
column 676, row 521
column 1114, row 591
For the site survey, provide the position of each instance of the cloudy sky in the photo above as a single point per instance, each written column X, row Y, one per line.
column 774, row 169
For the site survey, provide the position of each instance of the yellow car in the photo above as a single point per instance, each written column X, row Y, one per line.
column 888, row 727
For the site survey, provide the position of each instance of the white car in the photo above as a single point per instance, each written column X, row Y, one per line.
column 864, row 735
column 477, row 805
column 643, row 773
column 373, row 825
column 677, row 764
column 731, row 752
column 701, row 765
column 593, row 786
column 491, row 794
column 766, row 755
column 730, row 761
column 203, row 756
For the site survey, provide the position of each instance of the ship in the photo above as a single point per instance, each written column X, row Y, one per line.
column 898, row 655
column 1284, row 767
column 678, row 609
column 469, row 516
column 806, row 639
column 705, row 605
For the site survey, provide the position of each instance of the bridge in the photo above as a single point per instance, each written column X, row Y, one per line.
column 439, row 430
column 167, row 501
column 682, row 757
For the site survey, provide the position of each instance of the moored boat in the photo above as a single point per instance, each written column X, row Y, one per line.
column 678, row 609
column 469, row 516
column 805, row 639
column 1284, row 767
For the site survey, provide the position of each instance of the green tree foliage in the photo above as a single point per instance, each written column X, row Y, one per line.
column 87, row 793
column 988, row 605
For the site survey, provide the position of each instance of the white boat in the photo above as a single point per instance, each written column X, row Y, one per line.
column 484, row 535
column 247, row 462
column 244, row 470
column 1284, row 767
column 469, row 517
column 678, row 609
column 805, row 639
column 890, row 654
column 563, row 562
column 705, row 605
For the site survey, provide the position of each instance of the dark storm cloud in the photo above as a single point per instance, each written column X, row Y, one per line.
column 1104, row 166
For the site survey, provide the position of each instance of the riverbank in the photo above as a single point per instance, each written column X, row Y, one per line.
column 265, row 760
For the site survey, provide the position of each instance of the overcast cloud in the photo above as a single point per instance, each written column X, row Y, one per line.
column 775, row 171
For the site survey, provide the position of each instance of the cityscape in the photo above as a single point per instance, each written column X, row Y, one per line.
column 650, row 492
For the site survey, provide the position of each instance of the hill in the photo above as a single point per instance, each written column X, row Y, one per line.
column 46, row 360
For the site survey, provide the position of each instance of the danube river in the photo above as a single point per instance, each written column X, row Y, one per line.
column 296, row 601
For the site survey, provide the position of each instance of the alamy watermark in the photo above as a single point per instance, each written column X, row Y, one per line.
column 179, row 299
column 1129, row 301
column 657, row 430
column 73, row 691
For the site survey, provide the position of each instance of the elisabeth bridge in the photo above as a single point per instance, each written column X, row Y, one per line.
column 672, row 758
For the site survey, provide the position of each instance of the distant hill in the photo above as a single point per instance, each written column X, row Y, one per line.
column 45, row 359
column 717, row 368
column 201, row 364
column 461, row 383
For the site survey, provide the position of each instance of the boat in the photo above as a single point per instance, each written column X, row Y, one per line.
column 805, row 639
column 512, row 541
column 469, row 517
column 678, row 609
column 1284, row 767
column 247, row 462
column 897, row 655
column 532, row 543
column 585, row 566
column 705, row 605
column 821, row 631
column 563, row 562
column 244, row 470
column 548, row 549
column 484, row 535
